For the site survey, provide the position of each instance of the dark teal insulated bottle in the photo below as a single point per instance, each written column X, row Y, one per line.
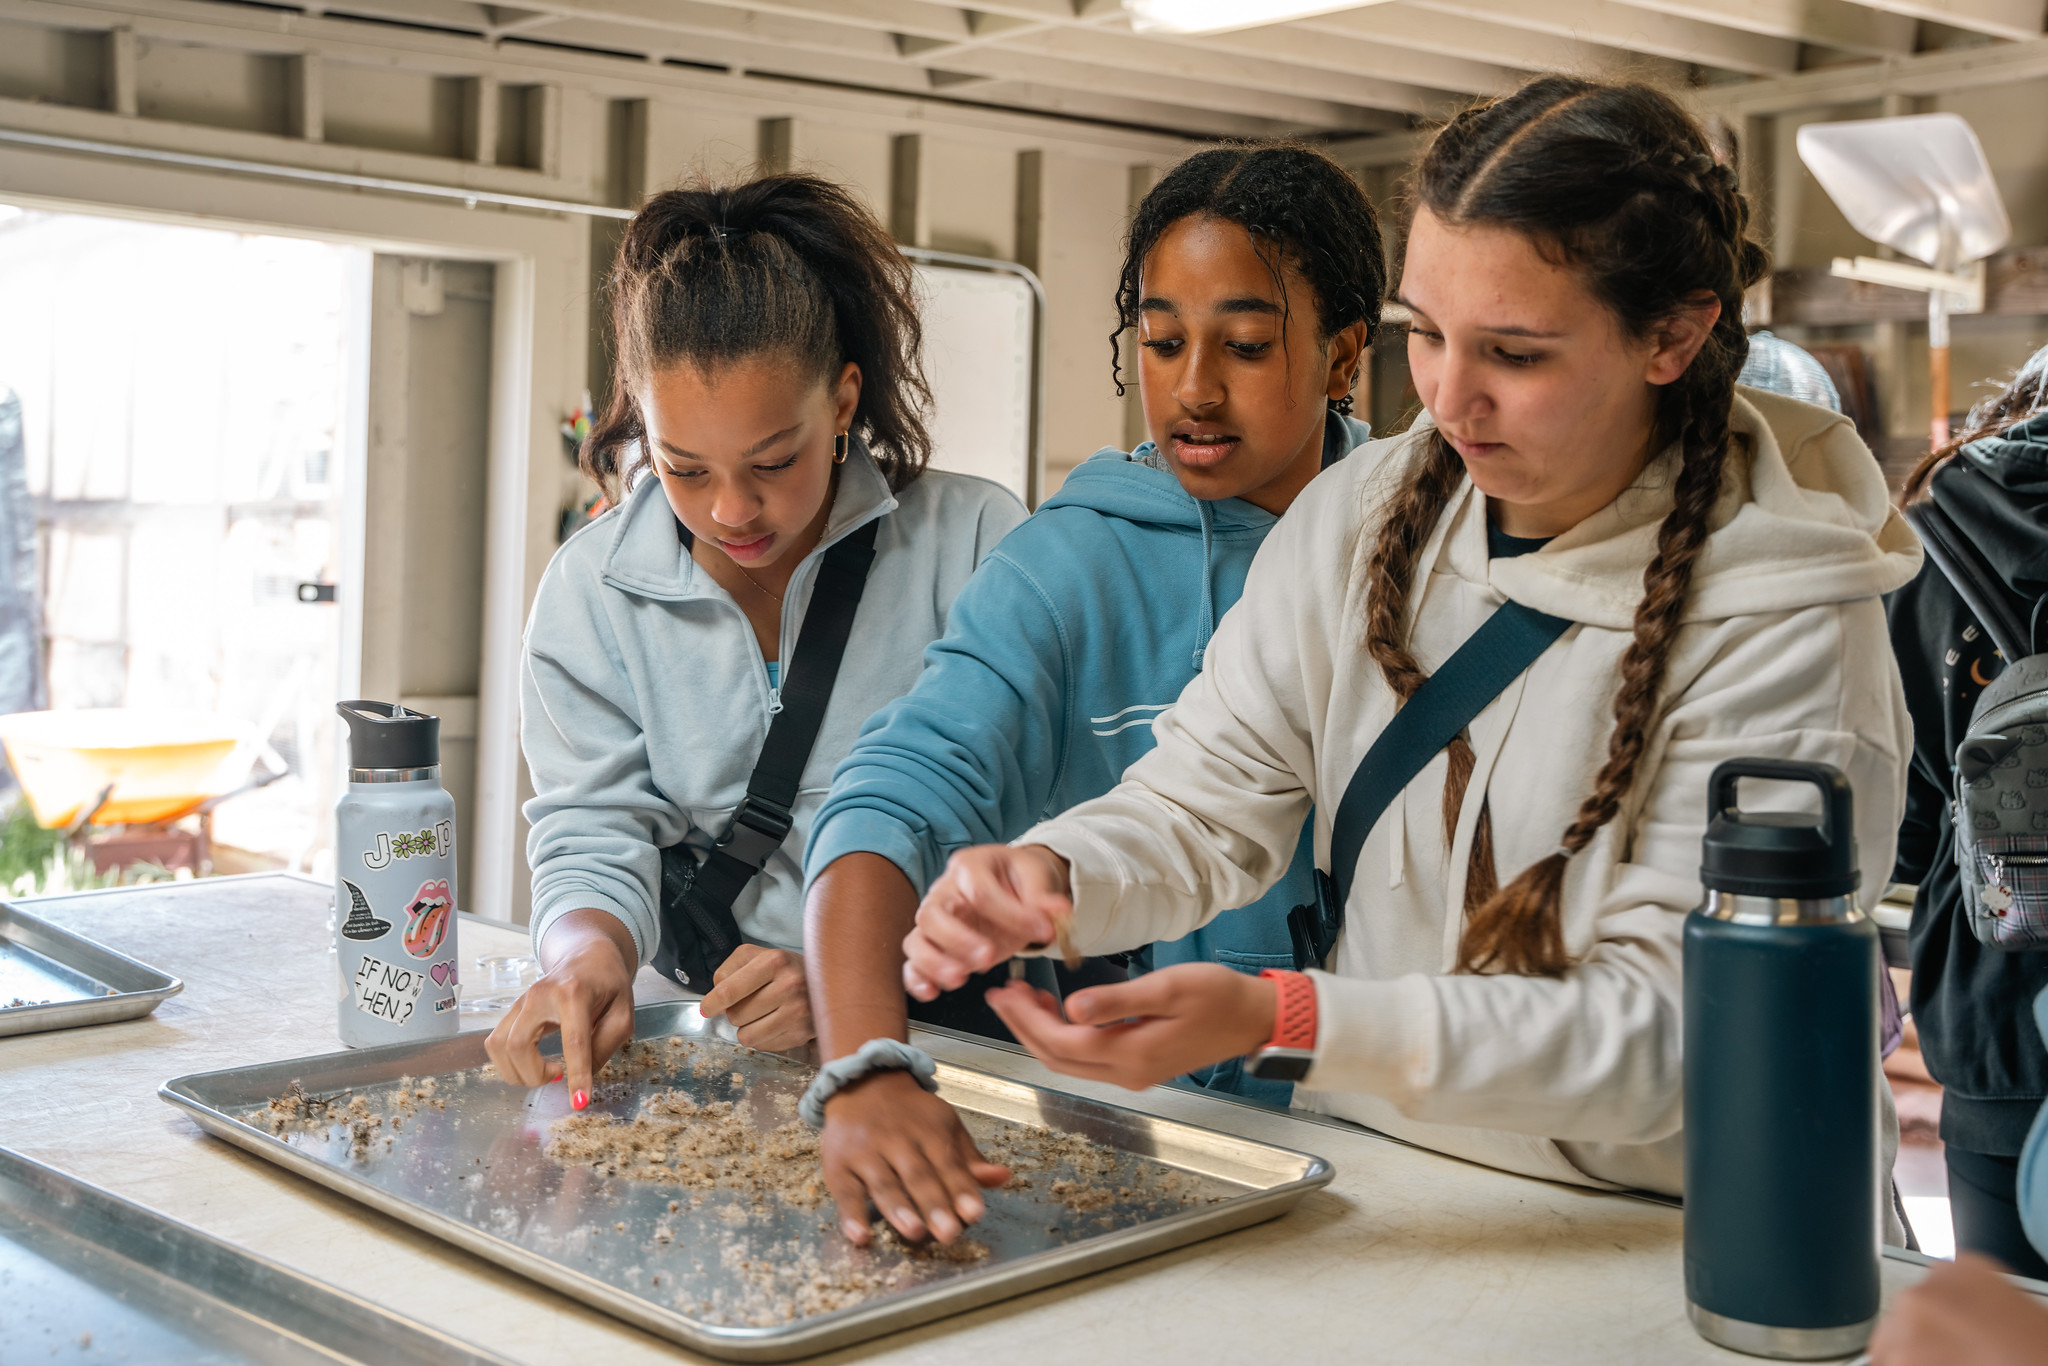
column 1783, row 1196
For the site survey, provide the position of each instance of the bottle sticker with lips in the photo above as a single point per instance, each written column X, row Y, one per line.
column 427, row 918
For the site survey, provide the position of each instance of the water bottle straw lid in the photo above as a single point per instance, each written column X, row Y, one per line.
column 386, row 735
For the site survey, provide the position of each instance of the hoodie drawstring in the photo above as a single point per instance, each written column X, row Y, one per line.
column 1208, row 588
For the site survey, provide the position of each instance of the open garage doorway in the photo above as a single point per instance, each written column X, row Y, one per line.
column 185, row 399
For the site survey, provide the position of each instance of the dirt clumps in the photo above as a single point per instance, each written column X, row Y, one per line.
column 299, row 1111
column 707, row 1146
column 797, row 1278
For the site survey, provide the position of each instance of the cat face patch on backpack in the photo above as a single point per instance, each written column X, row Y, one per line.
column 2001, row 809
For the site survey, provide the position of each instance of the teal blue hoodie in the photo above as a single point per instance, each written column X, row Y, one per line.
column 1076, row 632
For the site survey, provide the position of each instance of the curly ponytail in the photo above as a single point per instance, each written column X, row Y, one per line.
column 1620, row 182
column 786, row 264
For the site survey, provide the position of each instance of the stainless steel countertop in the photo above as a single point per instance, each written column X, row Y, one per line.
column 1406, row 1257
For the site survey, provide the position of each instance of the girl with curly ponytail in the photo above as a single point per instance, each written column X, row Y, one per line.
column 767, row 407
column 1506, row 985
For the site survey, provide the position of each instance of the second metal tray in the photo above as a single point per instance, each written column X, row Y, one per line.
column 64, row 979
column 469, row 1163
column 85, row 1275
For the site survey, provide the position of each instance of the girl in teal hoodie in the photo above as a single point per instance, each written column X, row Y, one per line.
column 1253, row 278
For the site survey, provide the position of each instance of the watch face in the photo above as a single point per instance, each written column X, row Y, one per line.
column 1281, row 1064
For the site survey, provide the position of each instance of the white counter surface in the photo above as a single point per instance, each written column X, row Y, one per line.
column 1405, row 1257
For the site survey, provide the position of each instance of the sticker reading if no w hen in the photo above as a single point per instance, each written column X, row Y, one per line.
column 386, row 991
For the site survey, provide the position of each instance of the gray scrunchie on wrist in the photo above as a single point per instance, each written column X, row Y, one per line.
column 876, row 1055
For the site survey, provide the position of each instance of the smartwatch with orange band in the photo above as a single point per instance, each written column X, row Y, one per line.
column 1288, row 1055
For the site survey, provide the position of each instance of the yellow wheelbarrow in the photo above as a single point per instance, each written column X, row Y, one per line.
column 135, row 767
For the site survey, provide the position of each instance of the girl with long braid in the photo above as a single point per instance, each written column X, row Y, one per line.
column 1506, row 986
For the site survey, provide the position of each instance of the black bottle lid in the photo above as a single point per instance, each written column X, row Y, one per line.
column 386, row 735
column 1780, row 853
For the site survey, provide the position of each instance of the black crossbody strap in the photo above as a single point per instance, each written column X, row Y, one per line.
column 1973, row 580
column 702, row 895
column 1498, row 653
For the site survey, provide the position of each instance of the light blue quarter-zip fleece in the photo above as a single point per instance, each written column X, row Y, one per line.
column 645, row 698
column 1076, row 634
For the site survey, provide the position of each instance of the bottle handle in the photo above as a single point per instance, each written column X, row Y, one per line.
column 1833, row 786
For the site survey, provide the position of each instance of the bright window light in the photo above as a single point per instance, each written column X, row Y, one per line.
column 1219, row 16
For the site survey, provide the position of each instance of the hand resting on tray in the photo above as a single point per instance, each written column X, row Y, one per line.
column 889, row 1141
column 992, row 902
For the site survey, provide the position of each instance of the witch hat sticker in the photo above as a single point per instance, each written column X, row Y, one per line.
column 361, row 922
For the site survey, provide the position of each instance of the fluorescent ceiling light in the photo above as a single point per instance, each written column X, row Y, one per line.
column 1219, row 16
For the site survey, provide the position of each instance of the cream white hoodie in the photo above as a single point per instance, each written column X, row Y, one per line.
column 1783, row 653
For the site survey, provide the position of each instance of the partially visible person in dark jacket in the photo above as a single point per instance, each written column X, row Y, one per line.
column 1971, row 1002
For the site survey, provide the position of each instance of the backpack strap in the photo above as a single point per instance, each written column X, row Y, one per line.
column 1973, row 580
column 699, row 931
column 1495, row 655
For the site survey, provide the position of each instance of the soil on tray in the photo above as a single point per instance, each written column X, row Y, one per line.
column 795, row 1278
column 300, row 1111
column 744, row 1159
column 717, row 1145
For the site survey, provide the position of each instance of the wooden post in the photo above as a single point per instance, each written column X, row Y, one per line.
column 1938, row 392
column 909, row 223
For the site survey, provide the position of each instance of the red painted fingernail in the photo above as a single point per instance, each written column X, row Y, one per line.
column 580, row 1099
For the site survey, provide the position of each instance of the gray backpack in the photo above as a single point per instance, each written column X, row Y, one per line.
column 2001, row 766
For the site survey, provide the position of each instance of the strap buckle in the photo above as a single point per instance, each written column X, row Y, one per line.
column 758, row 829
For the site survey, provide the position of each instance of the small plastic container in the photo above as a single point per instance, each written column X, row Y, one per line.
column 496, row 981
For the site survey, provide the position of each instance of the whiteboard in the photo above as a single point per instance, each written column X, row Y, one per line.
column 980, row 355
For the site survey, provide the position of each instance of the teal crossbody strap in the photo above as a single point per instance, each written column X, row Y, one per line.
column 1498, row 653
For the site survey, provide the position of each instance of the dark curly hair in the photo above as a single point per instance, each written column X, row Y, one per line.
column 1618, row 182
column 784, row 263
column 1288, row 196
column 2024, row 395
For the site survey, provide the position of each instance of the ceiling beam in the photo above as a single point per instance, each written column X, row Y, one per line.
column 1347, row 54
column 1368, row 109
column 1110, row 108
column 2015, row 19
column 1838, row 24
column 1403, row 27
column 1923, row 73
column 982, row 48
column 696, row 28
column 342, row 39
column 1639, row 30
column 1267, row 59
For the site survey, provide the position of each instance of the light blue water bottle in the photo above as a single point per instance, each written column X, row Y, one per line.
column 394, row 880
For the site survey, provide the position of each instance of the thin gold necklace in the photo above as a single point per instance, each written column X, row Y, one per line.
column 763, row 587
column 756, row 582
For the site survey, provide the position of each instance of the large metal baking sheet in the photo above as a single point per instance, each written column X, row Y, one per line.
column 69, row 980
column 476, row 1174
column 87, row 1275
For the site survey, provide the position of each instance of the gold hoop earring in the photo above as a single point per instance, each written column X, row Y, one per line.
column 839, row 444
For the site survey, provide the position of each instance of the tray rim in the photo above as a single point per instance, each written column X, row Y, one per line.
column 94, row 1010
column 15, row 1164
column 805, row 1337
